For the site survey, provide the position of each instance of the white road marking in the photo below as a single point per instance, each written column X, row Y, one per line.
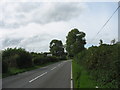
column 37, row 77
column 53, row 68
column 59, row 65
column 65, row 61
column 71, row 78
column 44, row 67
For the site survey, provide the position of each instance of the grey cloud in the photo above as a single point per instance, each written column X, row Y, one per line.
column 60, row 12
column 20, row 16
column 11, row 25
column 28, row 7
column 41, row 13
column 35, row 39
column 37, row 42
column 11, row 42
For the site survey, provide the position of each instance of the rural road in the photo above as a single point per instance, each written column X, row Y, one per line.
column 57, row 75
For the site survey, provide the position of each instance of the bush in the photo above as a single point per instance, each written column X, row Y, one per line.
column 38, row 60
column 17, row 58
column 4, row 67
column 52, row 58
column 24, row 60
column 102, row 63
column 63, row 57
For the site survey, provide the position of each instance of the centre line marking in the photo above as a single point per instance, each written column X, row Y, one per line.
column 53, row 68
column 58, row 64
column 44, row 67
column 37, row 77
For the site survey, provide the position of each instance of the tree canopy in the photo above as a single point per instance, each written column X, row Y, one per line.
column 56, row 47
column 75, row 42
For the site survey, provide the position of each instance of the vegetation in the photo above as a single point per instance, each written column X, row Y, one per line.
column 18, row 58
column 95, row 66
column 81, row 77
column 102, row 64
column 56, row 47
column 75, row 42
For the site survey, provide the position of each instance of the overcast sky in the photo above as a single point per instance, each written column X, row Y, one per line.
column 32, row 25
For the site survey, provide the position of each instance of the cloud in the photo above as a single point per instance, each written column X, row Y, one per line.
column 20, row 14
column 37, row 42
column 11, row 42
column 33, row 25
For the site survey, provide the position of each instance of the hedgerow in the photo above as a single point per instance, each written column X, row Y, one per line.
column 102, row 63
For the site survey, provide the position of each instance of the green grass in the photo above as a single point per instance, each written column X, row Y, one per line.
column 14, row 71
column 81, row 78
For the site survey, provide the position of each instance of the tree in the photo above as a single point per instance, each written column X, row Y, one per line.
column 101, row 42
column 56, row 47
column 75, row 42
column 113, row 41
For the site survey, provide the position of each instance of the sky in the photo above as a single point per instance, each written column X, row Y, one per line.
column 32, row 25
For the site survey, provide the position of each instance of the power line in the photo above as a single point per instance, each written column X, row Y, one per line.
column 105, row 23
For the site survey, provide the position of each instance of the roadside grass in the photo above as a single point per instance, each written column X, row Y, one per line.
column 81, row 78
column 14, row 71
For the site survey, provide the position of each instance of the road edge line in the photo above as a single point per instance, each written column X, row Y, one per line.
column 71, row 77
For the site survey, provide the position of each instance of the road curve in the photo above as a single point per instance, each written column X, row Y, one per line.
column 57, row 75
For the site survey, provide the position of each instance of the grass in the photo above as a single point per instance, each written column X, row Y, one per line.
column 14, row 71
column 81, row 78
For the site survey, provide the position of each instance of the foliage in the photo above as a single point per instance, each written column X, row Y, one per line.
column 101, row 42
column 81, row 78
column 75, row 42
column 24, row 60
column 102, row 63
column 17, row 57
column 56, row 47
column 4, row 67
column 39, row 60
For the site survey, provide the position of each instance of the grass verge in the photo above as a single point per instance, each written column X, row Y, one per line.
column 81, row 78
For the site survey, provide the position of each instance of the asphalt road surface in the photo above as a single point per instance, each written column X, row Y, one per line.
column 57, row 75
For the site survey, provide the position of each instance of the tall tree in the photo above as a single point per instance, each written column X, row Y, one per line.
column 113, row 41
column 75, row 42
column 56, row 47
column 101, row 42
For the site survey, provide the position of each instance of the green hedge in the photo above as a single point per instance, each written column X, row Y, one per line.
column 4, row 67
column 102, row 63
column 40, row 59
column 17, row 58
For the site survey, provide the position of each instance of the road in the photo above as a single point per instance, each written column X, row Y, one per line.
column 57, row 75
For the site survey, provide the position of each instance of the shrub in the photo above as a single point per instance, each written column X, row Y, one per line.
column 4, row 67
column 52, row 58
column 24, row 60
column 102, row 63
column 19, row 57
column 38, row 60
column 63, row 57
